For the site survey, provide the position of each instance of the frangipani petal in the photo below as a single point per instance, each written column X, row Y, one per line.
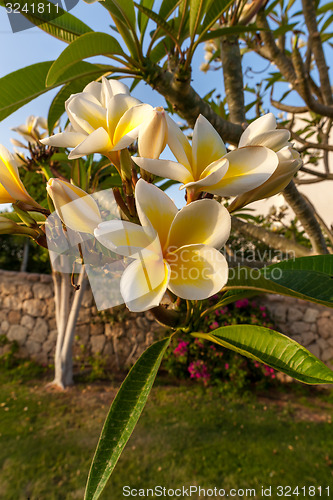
column 155, row 208
column 275, row 139
column 144, row 283
column 260, row 125
column 197, row 272
column 165, row 168
column 178, row 143
column 116, row 108
column 128, row 127
column 96, row 142
column 77, row 209
column 11, row 186
column 210, row 176
column 126, row 238
column 64, row 139
column 207, row 146
column 152, row 136
column 201, row 222
column 249, row 167
column 111, row 88
column 87, row 110
column 289, row 164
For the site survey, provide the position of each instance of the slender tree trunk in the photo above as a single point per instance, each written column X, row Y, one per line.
column 24, row 263
column 67, row 348
column 66, row 318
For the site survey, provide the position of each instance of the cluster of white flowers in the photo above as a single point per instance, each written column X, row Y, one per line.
column 174, row 249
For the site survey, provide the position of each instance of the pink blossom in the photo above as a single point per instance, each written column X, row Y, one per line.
column 181, row 348
column 241, row 303
column 198, row 370
column 226, row 366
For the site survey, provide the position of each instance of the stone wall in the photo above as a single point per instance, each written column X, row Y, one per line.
column 27, row 316
column 309, row 324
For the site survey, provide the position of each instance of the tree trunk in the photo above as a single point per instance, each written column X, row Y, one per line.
column 66, row 318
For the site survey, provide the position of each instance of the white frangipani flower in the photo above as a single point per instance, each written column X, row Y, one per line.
column 11, row 186
column 103, row 118
column 172, row 249
column 32, row 130
column 206, row 166
column 76, row 208
column 263, row 132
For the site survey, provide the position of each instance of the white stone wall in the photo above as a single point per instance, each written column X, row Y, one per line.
column 309, row 324
column 27, row 316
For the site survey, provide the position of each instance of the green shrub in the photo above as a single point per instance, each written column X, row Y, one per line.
column 209, row 364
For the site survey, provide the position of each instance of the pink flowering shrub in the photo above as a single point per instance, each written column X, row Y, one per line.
column 210, row 364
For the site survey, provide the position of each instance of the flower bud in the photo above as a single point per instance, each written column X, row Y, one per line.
column 77, row 209
column 11, row 187
column 289, row 163
column 153, row 134
column 7, row 226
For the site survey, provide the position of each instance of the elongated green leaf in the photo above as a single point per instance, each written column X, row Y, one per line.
column 197, row 10
column 308, row 278
column 327, row 7
column 24, row 85
column 167, row 7
column 318, row 263
column 88, row 45
column 126, row 7
column 228, row 30
column 160, row 21
column 214, row 11
column 274, row 349
column 53, row 19
column 123, row 416
column 142, row 18
column 121, row 26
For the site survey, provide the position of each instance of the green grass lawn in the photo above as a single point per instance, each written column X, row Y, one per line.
column 187, row 436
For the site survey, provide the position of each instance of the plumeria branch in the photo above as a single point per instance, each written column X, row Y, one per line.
column 273, row 240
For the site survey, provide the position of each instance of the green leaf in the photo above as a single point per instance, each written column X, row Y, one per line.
column 142, row 18
column 197, row 10
column 88, row 45
column 121, row 26
column 319, row 263
column 167, row 7
column 126, row 7
column 327, row 7
column 53, row 20
column 274, row 349
column 123, row 416
column 228, row 30
column 22, row 86
column 160, row 21
column 307, row 278
column 214, row 11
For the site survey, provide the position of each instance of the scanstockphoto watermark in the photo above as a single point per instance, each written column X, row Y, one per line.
column 40, row 11
column 188, row 491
